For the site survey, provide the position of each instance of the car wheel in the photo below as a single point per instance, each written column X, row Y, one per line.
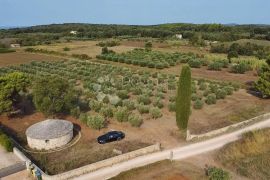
column 119, row 138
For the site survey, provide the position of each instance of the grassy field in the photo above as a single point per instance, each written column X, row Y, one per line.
column 16, row 58
column 164, row 170
column 249, row 156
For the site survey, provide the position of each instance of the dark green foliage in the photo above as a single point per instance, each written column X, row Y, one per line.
column 148, row 46
column 195, row 63
column 155, row 112
column 211, row 99
column 144, row 99
column 263, row 83
column 229, row 90
column 6, row 50
column 194, row 97
column 172, row 107
column 95, row 105
column 135, row 120
column 108, row 44
column 143, row 109
column 198, row 104
column 123, row 94
column 221, row 94
column 121, row 114
column 158, row 103
column 54, row 95
column 10, row 87
column 217, row 174
column 183, row 99
column 232, row 54
column 215, row 66
column 107, row 111
column 96, row 121
column 240, row 68
column 66, row 49
column 129, row 104
column 6, row 142
column 83, row 118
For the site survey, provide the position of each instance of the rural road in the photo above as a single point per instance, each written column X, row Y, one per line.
column 178, row 153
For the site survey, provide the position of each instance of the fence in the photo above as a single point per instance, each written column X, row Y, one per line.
column 227, row 128
column 94, row 166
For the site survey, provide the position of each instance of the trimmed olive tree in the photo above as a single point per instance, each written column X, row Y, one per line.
column 183, row 99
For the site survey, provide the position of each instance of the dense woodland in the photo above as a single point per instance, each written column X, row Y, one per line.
column 212, row 32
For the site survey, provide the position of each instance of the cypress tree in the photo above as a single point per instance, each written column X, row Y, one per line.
column 183, row 99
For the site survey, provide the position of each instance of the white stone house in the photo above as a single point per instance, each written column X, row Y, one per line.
column 179, row 36
column 73, row 32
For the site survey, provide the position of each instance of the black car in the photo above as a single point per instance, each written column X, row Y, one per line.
column 111, row 136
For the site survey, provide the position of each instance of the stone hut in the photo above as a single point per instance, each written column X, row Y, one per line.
column 49, row 134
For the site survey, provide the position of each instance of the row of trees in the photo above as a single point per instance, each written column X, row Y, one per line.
column 213, row 32
column 50, row 96
column 247, row 49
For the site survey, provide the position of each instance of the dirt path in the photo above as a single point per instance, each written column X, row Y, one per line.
column 178, row 153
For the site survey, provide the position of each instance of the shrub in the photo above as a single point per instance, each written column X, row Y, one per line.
column 194, row 97
column 221, row 94
column 96, row 121
column 155, row 113
column 75, row 112
column 211, row 99
column 206, row 92
column 229, row 90
column 195, row 63
column 95, row 105
column 198, row 104
column 129, row 104
column 203, row 86
column 135, row 120
column 66, row 49
column 172, row 107
column 143, row 109
column 217, row 174
column 123, row 94
column 215, row 66
column 121, row 114
column 240, row 68
column 83, row 118
column 6, row 142
column 143, row 99
column 158, row 103
column 107, row 111
column 172, row 98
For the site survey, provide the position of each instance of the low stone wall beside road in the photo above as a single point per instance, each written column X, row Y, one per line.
column 227, row 128
column 94, row 166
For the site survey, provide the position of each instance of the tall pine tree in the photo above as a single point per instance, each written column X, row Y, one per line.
column 183, row 99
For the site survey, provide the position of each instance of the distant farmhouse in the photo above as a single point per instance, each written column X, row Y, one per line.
column 179, row 36
column 15, row 45
column 73, row 32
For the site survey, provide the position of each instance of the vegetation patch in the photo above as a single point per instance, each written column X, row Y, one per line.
column 249, row 156
column 6, row 142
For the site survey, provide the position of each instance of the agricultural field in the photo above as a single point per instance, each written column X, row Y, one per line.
column 116, row 92
column 16, row 58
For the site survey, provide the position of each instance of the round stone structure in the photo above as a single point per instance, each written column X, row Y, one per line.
column 49, row 134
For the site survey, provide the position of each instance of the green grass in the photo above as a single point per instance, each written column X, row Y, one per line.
column 249, row 156
column 5, row 50
column 6, row 142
